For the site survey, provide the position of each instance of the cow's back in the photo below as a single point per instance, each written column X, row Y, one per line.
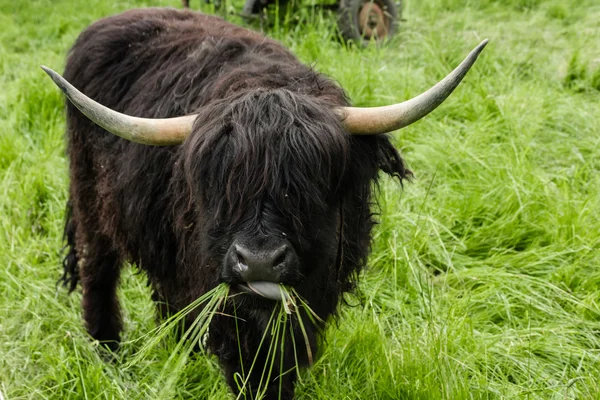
column 130, row 61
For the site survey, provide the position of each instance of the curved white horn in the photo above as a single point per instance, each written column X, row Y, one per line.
column 159, row 132
column 375, row 120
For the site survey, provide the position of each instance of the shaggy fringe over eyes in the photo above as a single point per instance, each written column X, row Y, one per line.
column 267, row 145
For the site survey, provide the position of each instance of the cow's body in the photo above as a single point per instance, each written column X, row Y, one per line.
column 267, row 157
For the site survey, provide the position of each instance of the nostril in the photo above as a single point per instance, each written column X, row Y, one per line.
column 240, row 267
column 239, row 253
column 279, row 260
column 278, row 256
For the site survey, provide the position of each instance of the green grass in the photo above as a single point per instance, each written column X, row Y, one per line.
column 485, row 272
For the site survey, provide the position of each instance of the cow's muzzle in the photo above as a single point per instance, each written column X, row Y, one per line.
column 248, row 262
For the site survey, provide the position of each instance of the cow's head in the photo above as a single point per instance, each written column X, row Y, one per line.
column 271, row 170
column 267, row 167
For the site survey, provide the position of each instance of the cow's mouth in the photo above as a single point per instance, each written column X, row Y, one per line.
column 267, row 290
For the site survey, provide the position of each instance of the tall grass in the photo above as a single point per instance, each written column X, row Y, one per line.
column 203, row 309
column 484, row 276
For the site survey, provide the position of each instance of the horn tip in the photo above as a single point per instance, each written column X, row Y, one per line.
column 482, row 45
column 47, row 70
column 477, row 50
column 58, row 80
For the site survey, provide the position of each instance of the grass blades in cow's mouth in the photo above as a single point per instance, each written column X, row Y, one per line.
column 208, row 304
column 293, row 313
column 280, row 328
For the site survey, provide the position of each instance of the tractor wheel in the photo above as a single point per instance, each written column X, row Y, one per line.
column 364, row 20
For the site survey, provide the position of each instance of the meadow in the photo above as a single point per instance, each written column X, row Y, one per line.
column 484, row 280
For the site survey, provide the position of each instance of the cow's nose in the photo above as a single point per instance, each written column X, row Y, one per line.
column 259, row 264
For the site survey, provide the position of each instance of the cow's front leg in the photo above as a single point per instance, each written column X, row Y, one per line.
column 99, row 270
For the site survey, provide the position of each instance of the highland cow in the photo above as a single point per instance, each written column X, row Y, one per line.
column 218, row 157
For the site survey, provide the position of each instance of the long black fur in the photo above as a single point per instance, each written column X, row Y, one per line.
column 267, row 157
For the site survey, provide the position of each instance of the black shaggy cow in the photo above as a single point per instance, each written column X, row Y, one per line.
column 229, row 161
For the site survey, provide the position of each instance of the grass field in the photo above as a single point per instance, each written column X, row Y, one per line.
column 484, row 281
